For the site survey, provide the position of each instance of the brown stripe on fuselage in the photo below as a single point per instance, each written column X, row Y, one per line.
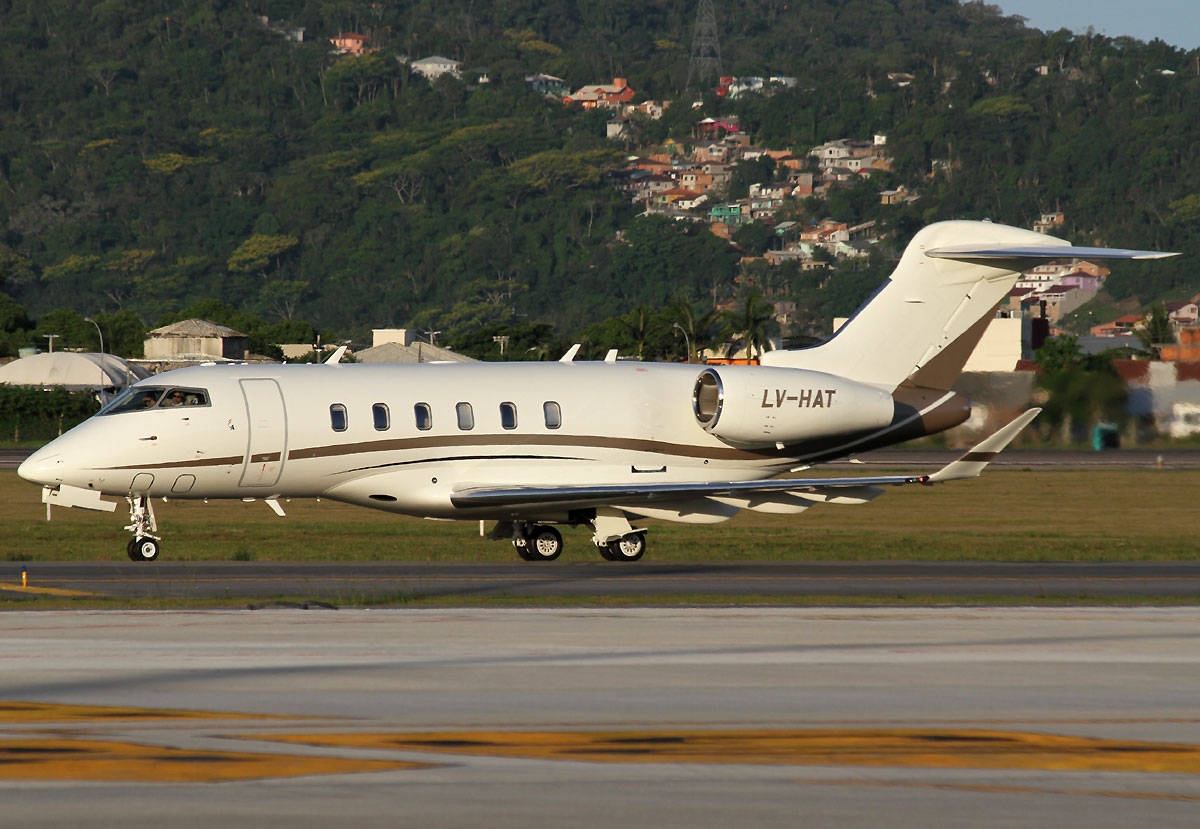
column 236, row 460
column 508, row 440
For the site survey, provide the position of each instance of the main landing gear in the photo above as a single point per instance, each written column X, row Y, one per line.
column 538, row 543
column 144, row 544
column 614, row 538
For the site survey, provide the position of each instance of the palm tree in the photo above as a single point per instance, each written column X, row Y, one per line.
column 699, row 329
column 1156, row 332
column 642, row 326
column 750, row 324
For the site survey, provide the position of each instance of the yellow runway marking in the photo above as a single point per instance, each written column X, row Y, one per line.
column 45, row 591
column 38, row 759
column 46, row 712
column 969, row 787
column 967, row 749
column 36, row 756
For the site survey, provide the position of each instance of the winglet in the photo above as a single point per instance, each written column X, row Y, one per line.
column 336, row 357
column 974, row 461
column 570, row 355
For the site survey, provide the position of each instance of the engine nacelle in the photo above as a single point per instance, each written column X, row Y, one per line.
column 763, row 406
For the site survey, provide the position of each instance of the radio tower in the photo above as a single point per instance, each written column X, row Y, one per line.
column 706, row 55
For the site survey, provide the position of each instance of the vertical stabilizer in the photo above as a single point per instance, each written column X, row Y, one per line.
column 927, row 318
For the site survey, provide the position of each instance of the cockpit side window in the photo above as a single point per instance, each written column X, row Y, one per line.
column 140, row 398
column 135, row 399
column 184, row 397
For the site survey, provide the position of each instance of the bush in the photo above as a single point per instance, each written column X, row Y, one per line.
column 38, row 415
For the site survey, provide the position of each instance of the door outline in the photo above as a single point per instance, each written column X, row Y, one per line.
column 266, row 444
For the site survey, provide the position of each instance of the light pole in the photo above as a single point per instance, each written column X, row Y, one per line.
column 687, row 340
column 99, row 333
column 103, row 373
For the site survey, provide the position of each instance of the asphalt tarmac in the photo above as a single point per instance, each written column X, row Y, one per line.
column 355, row 583
column 764, row 717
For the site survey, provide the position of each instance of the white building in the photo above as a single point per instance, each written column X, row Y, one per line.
column 435, row 66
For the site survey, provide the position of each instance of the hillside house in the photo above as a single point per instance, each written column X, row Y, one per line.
column 547, row 85
column 717, row 127
column 696, row 179
column 1183, row 313
column 728, row 213
column 1049, row 222
column 616, row 127
column 1120, row 326
column 651, row 109
column 602, row 95
column 853, row 155
column 435, row 66
column 350, row 43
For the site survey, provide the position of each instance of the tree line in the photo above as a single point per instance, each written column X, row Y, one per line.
column 157, row 157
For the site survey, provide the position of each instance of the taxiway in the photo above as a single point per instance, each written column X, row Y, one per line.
column 683, row 717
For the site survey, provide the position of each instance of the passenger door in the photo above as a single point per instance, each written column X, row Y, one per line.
column 267, row 445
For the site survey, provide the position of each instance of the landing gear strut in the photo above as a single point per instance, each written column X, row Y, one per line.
column 629, row 547
column 615, row 538
column 144, row 544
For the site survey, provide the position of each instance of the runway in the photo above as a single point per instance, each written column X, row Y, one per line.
column 355, row 583
column 1074, row 717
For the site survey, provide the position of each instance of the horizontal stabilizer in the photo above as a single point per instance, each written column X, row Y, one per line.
column 973, row 462
column 1041, row 252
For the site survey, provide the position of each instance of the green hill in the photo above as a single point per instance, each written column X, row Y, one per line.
column 154, row 156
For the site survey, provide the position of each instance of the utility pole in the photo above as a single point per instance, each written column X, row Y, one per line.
column 706, row 54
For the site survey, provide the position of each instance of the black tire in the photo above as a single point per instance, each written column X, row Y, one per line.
column 628, row 548
column 144, row 549
column 524, row 551
column 545, row 544
column 129, row 549
column 605, row 553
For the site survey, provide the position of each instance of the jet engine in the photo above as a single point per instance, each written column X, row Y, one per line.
column 763, row 406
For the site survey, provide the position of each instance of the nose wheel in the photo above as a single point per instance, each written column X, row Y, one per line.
column 144, row 545
column 142, row 549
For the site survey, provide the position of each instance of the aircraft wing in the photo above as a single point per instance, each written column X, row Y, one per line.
column 769, row 495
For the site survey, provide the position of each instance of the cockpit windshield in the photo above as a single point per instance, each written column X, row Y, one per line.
column 140, row 398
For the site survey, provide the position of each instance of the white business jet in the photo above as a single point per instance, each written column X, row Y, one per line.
column 535, row 445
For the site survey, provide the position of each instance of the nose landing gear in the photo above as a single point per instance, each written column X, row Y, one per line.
column 144, row 544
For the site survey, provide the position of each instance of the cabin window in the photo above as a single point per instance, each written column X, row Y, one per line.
column 337, row 417
column 466, row 416
column 553, row 414
column 508, row 415
column 381, row 416
column 424, row 416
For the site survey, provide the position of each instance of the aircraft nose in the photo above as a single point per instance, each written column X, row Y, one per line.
column 42, row 467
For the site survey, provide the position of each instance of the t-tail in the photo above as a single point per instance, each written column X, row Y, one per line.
column 915, row 334
column 922, row 324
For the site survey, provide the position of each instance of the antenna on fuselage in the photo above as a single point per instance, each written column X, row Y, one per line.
column 570, row 355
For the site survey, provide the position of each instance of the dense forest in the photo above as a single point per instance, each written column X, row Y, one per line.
column 157, row 159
